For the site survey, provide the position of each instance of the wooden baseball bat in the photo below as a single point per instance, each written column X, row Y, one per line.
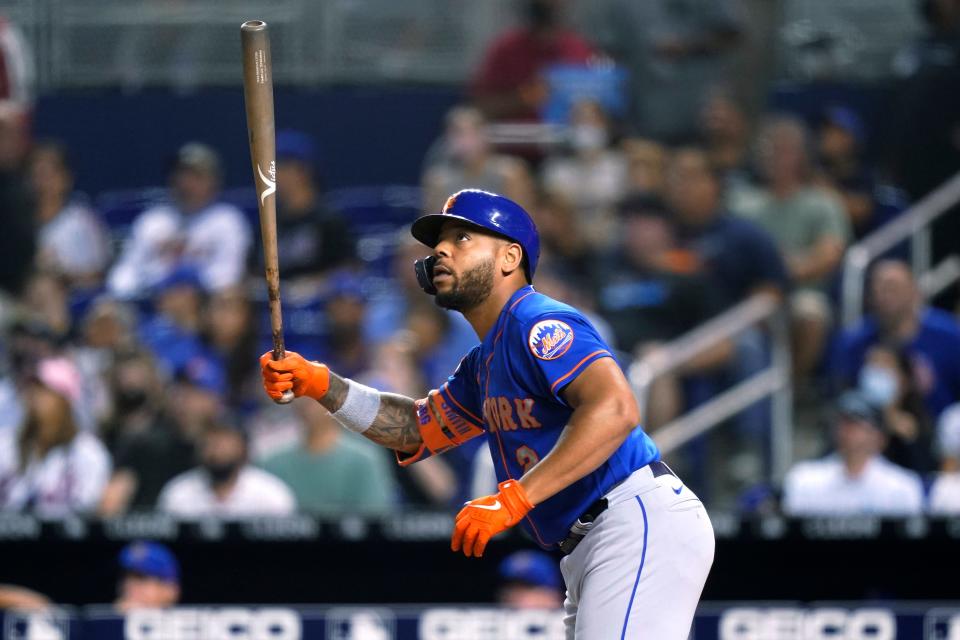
column 258, row 97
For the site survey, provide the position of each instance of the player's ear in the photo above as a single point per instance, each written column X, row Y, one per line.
column 511, row 258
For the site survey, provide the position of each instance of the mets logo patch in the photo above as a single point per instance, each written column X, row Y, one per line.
column 550, row 339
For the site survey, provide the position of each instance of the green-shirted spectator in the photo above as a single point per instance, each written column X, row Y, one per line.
column 808, row 224
column 333, row 471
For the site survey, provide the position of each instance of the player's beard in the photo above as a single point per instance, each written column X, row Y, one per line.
column 470, row 291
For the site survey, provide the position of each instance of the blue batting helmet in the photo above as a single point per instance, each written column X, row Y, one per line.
column 488, row 211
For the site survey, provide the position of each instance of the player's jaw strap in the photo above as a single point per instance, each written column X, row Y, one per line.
column 441, row 428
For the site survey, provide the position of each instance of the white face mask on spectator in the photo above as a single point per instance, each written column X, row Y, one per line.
column 879, row 385
column 588, row 137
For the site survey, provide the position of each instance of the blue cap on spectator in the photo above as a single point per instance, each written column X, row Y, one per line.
column 853, row 404
column 848, row 120
column 296, row 145
column 150, row 559
column 204, row 372
column 344, row 284
column 184, row 275
column 530, row 567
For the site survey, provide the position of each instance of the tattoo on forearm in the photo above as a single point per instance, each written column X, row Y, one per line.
column 395, row 426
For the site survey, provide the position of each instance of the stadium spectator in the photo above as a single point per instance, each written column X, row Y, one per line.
column 467, row 161
column 136, row 398
column 194, row 230
column 898, row 317
column 725, row 132
column 311, row 238
column 172, row 332
column 808, row 225
column 229, row 331
column 675, row 54
column 509, row 82
column 345, row 310
column 841, row 143
column 647, row 292
column 530, row 580
column 649, row 296
column 945, row 490
column 225, row 484
column 72, row 239
column 563, row 241
column 646, row 165
column 740, row 258
column 594, row 177
column 888, row 381
column 18, row 240
column 46, row 298
column 146, row 460
column 106, row 330
column 331, row 471
column 49, row 465
column 150, row 577
column 856, row 479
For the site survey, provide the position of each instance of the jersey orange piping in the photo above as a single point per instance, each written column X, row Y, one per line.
column 444, row 389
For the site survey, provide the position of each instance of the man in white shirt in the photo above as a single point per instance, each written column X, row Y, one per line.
column 224, row 484
column 945, row 491
column 194, row 230
column 856, row 479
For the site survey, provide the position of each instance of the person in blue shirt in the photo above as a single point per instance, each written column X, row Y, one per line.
column 899, row 319
column 576, row 470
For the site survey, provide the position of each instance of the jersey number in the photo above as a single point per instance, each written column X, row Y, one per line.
column 527, row 457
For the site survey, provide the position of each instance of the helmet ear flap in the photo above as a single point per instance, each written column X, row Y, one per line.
column 424, row 270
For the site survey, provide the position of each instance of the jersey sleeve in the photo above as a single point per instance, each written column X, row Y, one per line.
column 560, row 346
column 462, row 389
column 450, row 415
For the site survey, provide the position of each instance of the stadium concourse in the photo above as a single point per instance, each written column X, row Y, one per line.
column 755, row 204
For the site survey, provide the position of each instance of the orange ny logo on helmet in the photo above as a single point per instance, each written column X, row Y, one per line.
column 450, row 201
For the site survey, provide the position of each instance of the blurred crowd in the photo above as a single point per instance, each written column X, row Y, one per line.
column 129, row 352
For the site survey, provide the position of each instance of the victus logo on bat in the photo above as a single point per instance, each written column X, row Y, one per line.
column 550, row 339
column 269, row 183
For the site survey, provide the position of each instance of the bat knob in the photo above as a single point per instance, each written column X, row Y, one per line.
column 286, row 398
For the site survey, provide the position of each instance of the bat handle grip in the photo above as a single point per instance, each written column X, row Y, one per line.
column 278, row 354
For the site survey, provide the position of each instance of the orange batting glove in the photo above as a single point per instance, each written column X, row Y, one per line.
column 485, row 517
column 306, row 378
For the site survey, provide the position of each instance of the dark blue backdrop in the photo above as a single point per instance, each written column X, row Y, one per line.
column 366, row 135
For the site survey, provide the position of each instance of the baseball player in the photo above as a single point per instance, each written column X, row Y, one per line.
column 575, row 469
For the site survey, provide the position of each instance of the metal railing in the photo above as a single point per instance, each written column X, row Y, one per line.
column 914, row 224
column 772, row 381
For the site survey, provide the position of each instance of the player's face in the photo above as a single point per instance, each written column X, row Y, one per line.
column 464, row 273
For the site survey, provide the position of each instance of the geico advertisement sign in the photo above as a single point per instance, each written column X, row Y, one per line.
column 491, row 624
column 228, row 623
column 807, row 624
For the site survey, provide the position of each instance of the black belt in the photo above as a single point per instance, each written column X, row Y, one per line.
column 584, row 523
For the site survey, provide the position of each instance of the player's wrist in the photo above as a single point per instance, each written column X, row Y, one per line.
column 515, row 498
column 360, row 407
column 317, row 380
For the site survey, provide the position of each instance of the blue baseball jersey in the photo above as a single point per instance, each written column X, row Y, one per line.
column 511, row 385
